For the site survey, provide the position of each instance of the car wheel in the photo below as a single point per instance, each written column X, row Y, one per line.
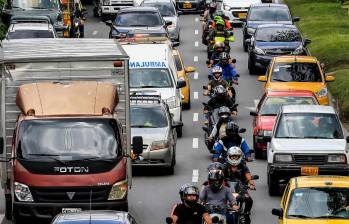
column 104, row 17
column 179, row 132
column 8, row 207
column 187, row 105
column 273, row 186
column 251, row 67
column 244, row 45
column 170, row 170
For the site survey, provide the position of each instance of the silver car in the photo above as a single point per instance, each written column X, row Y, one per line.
column 167, row 9
column 151, row 119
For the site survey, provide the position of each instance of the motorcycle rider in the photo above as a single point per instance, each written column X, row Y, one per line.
column 216, row 79
column 78, row 14
column 219, row 33
column 235, row 169
column 190, row 211
column 231, row 139
column 229, row 73
column 209, row 14
column 216, row 194
column 218, row 49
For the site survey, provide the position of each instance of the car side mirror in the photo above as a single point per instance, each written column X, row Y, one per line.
column 205, row 129
column 137, row 145
column 329, row 78
column 177, row 124
column 306, row 42
column 296, row 19
column 108, row 23
column 254, row 177
column 169, row 220
column 242, row 130
column 1, row 145
column 181, row 84
column 168, row 23
column 180, row 13
column 175, row 44
column 253, row 113
column 190, row 69
column 347, row 138
column 262, row 78
column 278, row 212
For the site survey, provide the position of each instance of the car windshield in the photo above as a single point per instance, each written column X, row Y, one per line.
column 309, row 125
column 319, row 203
column 273, row 34
column 296, row 72
column 67, row 139
column 166, row 9
column 269, row 14
column 24, row 34
column 35, row 4
column 272, row 105
column 148, row 117
column 150, row 78
column 139, row 19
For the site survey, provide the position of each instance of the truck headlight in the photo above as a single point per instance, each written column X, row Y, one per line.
column 156, row 145
column 173, row 102
column 251, row 31
column 106, row 2
column 118, row 191
column 258, row 51
column 22, row 192
column 264, row 133
column 299, row 50
column 283, row 158
column 322, row 93
column 339, row 158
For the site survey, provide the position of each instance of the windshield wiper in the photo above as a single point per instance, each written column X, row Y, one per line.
column 141, row 126
column 149, row 86
column 300, row 216
column 17, row 7
column 268, row 114
column 110, row 161
column 280, row 80
column 37, row 7
column 49, row 156
column 317, row 137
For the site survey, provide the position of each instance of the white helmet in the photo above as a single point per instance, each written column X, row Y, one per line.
column 234, row 152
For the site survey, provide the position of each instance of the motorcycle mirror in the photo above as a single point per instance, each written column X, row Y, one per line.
column 238, row 75
column 204, row 87
column 205, row 129
column 242, row 130
column 255, row 177
column 215, row 219
column 169, row 220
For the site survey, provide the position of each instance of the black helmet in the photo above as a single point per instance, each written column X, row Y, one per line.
column 224, row 112
column 215, row 166
column 231, row 129
column 220, row 91
column 224, row 56
column 215, row 179
column 189, row 189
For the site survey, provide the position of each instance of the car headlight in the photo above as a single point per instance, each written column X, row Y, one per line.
column 264, row 133
column 283, row 158
column 299, row 50
column 251, row 31
column 118, row 191
column 173, row 102
column 106, row 2
column 22, row 192
column 226, row 7
column 156, row 145
column 339, row 158
column 172, row 26
column 322, row 93
column 258, row 51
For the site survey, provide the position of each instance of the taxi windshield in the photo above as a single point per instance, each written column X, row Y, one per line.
column 272, row 105
column 296, row 72
column 148, row 117
column 31, row 4
column 309, row 125
column 150, row 78
column 319, row 203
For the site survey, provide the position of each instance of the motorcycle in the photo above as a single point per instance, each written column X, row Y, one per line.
column 210, row 48
column 217, row 213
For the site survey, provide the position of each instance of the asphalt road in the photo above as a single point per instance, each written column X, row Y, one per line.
column 153, row 195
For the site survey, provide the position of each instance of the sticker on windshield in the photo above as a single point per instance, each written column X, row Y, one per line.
column 147, row 64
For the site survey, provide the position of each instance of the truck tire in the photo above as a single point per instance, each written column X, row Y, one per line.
column 8, row 207
column 273, row 186
column 170, row 170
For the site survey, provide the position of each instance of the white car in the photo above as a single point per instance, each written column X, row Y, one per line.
column 306, row 140
column 237, row 10
column 24, row 30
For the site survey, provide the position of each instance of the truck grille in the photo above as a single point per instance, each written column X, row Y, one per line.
column 77, row 194
column 310, row 159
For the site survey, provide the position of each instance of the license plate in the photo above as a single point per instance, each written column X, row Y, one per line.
column 187, row 5
column 71, row 210
column 242, row 15
column 309, row 171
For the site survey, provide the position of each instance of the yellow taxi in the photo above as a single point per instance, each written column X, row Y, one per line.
column 297, row 73
column 182, row 73
column 315, row 199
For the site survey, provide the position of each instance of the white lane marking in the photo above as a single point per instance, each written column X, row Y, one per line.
column 251, row 108
column 196, row 58
column 256, row 101
column 196, row 19
column 196, row 32
column 195, row 117
column 195, row 143
column 196, row 95
column 196, row 75
column 276, row 1
column 94, row 33
column 195, row 177
column 196, row 44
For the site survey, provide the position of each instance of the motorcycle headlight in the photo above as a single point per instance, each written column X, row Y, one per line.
column 76, row 24
column 227, row 7
column 283, row 158
column 173, row 102
column 118, row 191
column 299, row 50
column 339, row 158
column 258, row 51
column 322, row 93
column 264, row 133
column 251, row 31
column 106, row 2
column 156, row 145
column 22, row 192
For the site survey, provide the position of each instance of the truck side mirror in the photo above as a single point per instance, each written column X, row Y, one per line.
column 1, row 145
column 137, row 142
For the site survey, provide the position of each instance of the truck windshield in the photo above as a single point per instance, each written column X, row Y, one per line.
column 150, row 78
column 166, row 9
column 67, row 139
column 309, row 125
column 319, row 203
column 31, row 4
column 138, row 19
column 296, row 72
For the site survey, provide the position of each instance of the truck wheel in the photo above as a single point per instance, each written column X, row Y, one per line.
column 8, row 207
column 251, row 67
column 179, row 132
column 258, row 154
column 273, row 186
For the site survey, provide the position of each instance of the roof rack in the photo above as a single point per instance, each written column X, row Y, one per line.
column 146, row 96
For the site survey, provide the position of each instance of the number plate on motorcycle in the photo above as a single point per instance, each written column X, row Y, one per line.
column 242, row 15
column 187, row 5
column 71, row 210
column 309, row 171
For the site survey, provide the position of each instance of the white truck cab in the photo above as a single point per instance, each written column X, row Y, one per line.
column 306, row 140
column 152, row 67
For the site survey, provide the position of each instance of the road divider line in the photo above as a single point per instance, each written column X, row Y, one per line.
column 196, row 44
column 196, row 75
column 196, row 19
column 196, row 58
column 94, row 33
column 195, row 143
column 195, row 117
column 196, row 95
column 196, row 32
column 195, row 177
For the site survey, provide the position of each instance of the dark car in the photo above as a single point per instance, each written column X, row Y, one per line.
column 141, row 20
column 259, row 14
column 191, row 5
column 96, row 217
column 274, row 40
